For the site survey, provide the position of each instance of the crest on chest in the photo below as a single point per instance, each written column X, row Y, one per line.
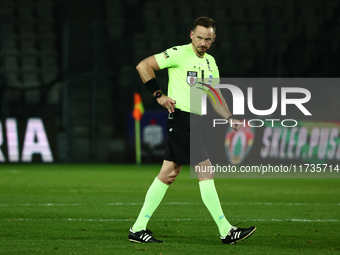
column 191, row 78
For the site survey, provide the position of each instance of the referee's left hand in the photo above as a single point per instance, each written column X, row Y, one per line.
column 234, row 125
column 167, row 102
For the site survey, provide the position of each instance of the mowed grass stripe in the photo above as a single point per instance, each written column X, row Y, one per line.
column 251, row 220
column 88, row 209
column 172, row 203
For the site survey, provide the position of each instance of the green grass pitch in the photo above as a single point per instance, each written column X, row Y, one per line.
column 88, row 209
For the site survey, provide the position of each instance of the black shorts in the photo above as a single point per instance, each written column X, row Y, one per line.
column 185, row 145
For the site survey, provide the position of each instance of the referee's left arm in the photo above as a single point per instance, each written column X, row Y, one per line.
column 223, row 110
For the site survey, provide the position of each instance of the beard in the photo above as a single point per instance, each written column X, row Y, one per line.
column 201, row 49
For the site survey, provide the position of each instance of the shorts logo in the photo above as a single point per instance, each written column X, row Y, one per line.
column 191, row 78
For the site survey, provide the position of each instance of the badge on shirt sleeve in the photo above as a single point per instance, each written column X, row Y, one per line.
column 191, row 78
column 166, row 55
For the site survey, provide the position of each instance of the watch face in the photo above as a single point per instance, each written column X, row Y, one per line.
column 158, row 94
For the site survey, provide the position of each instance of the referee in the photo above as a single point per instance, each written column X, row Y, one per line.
column 187, row 65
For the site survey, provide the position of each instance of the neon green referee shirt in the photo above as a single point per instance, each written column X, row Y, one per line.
column 186, row 70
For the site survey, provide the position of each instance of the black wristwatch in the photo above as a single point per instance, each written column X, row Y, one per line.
column 158, row 94
column 231, row 116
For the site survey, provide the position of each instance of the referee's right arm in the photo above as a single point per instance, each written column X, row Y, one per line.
column 146, row 69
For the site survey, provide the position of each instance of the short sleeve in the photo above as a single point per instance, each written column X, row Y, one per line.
column 216, row 72
column 169, row 58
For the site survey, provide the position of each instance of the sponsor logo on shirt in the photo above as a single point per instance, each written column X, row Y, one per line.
column 191, row 78
column 210, row 81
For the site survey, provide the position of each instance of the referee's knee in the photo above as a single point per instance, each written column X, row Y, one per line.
column 171, row 179
column 168, row 174
column 167, row 179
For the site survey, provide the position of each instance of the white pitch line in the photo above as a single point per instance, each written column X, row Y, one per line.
column 37, row 205
column 186, row 219
column 169, row 203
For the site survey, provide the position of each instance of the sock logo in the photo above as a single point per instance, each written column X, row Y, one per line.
column 221, row 217
column 147, row 216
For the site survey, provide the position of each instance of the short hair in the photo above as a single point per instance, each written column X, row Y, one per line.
column 205, row 22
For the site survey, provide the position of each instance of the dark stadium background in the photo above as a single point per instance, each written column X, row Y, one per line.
column 72, row 62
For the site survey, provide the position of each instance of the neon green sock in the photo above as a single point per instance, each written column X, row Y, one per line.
column 153, row 198
column 212, row 202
